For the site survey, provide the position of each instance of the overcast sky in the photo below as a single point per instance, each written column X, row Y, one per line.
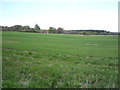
column 68, row 14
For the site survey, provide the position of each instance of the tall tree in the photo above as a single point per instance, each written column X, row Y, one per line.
column 60, row 30
column 26, row 28
column 17, row 27
column 52, row 30
column 37, row 28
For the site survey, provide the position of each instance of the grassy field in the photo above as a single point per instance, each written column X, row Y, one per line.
column 35, row 60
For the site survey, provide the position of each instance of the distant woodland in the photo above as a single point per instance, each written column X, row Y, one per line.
column 37, row 29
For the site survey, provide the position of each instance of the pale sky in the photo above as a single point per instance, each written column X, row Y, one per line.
column 68, row 14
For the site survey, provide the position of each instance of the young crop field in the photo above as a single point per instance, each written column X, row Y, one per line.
column 36, row 60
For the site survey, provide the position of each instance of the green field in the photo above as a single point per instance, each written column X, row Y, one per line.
column 36, row 60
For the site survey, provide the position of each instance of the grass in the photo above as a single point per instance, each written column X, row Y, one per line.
column 35, row 60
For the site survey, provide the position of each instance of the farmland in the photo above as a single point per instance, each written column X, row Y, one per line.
column 36, row 60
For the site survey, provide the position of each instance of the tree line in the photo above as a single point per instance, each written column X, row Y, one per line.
column 59, row 30
column 27, row 28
